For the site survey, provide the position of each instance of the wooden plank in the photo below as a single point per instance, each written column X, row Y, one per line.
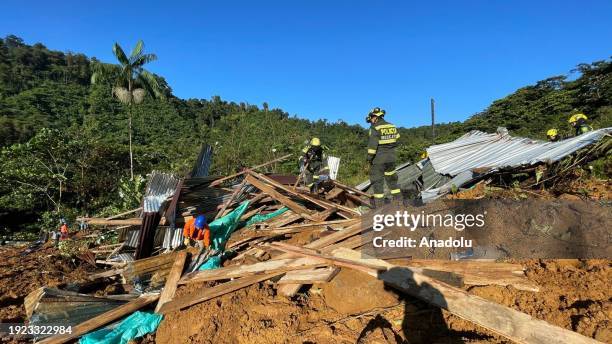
column 352, row 189
column 477, row 272
column 172, row 280
column 309, row 276
column 292, row 289
column 285, row 220
column 230, row 200
column 219, row 181
column 321, row 203
column 108, row 273
column 102, row 319
column 335, row 192
column 509, row 323
column 298, row 209
column 116, row 264
column 116, row 250
column 124, row 213
column 237, row 271
column 322, row 216
column 104, row 222
column 31, row 301
column 327, row 258
column 252, row 213
column 205, row 294
column 343, row 222
column 358, row 199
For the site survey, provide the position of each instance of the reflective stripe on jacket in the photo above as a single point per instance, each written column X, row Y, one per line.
column 383, row 141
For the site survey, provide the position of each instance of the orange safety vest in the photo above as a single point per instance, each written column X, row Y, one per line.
column 64, row 231
column 191, row 232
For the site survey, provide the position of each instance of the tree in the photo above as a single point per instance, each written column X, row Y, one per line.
column 131, row 82
column 40, row 167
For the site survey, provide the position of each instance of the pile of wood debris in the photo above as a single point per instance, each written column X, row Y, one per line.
column 260, row 252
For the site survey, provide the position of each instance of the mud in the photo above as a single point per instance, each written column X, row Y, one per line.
column 352, row 308
column 574, row 294
column 22, row 273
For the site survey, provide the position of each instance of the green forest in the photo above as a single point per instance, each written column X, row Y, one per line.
column 64, row 138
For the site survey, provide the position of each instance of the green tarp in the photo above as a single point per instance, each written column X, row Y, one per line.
column 221, row 229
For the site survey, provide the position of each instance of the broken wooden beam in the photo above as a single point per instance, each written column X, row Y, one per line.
column 327, row 258
column 221, row 180
column 124, row 213
column 172, row 280
column 298, row 209
column 309, row 276
column 221, row 212
column 236, row 271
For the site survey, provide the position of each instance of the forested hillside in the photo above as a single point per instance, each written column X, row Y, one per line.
column 64, row 141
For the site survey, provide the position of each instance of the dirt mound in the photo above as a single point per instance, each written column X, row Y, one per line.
column 22, row 273
column 574, row 294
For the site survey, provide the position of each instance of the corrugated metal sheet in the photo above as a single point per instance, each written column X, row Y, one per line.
column 478, row 150
column 61, row 307
column 122, row 257
column 408, row 173
column 201, row 199
column 173, row 237
column 131, row 237
column 334, row 165
column 202, row 164
column 160, row 187
column 146, row 238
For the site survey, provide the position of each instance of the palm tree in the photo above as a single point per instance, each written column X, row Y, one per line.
column 131, row 82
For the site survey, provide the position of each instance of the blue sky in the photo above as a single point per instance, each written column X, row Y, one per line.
column 334, row 59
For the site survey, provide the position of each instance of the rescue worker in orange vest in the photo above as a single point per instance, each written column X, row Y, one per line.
column 196, row 231
column 63, row 230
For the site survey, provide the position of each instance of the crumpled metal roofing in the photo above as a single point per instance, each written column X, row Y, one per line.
column 203, row 162
column 408, row 173
column 160, row 187
column 479, row 150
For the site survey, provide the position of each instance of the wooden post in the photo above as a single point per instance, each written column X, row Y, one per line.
column 433, row 121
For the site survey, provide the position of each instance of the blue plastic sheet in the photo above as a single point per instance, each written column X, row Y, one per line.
column 136, row 325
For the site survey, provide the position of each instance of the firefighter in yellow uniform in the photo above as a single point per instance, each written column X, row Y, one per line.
column 381, row 156
column 579, row 123
column 553, row 135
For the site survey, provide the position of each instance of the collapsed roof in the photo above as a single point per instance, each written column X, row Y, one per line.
column 477, row 153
